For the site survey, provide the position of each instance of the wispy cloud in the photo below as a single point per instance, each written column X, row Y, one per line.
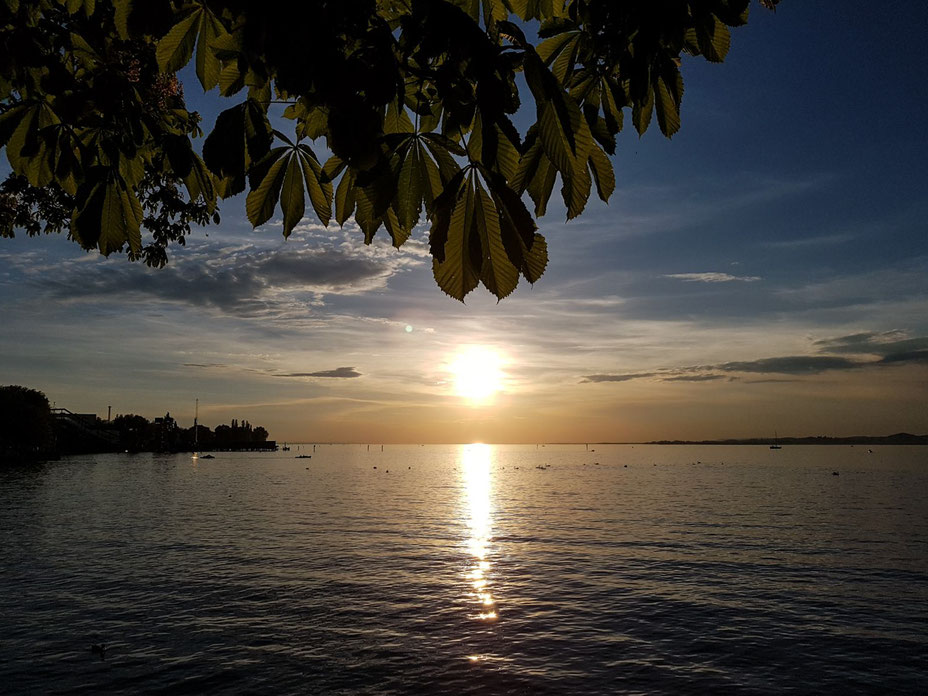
column 712, row 277
column 912, row 356
column 247, row 281
column 902, row 283
column 805, row 242
column 617, row 378
column 791, row 365
column 885, row 343
column 891, row 353
column 337, row 373
column 696, row 378
column 661, row 209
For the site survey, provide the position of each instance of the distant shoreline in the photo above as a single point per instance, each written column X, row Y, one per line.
column 897, row 439
column 901, row 439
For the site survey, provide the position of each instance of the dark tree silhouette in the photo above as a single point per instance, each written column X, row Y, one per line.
column 26, row 425
column 135, row 432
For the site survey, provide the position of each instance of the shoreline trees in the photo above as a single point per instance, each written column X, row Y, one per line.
column 26, row 424
column 30, row 430
column 138, row 434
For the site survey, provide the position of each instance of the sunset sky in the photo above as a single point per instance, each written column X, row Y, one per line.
column 765, row 270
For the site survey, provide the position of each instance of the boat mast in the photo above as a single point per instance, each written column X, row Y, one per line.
column 196, row 415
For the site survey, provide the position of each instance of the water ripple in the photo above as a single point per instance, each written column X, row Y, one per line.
column 468, row 570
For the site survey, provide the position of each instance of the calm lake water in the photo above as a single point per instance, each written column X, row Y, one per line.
column 467, row 569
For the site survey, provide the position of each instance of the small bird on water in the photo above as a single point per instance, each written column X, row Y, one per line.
column 99, row 649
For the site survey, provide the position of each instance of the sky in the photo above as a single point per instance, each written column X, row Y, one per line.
column 766, row 271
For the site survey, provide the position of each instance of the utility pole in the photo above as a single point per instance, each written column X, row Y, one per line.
column 109, row 414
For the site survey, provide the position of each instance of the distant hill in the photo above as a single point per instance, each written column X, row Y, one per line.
column 897, row 439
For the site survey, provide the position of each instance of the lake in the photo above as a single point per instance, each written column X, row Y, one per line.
column 469, row 569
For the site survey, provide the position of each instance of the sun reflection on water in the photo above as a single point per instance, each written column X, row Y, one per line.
column 475, row 465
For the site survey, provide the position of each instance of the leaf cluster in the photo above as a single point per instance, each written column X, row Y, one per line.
column 413, row 98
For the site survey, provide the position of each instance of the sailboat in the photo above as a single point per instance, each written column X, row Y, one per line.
column 776, row 440
column 196, row 433
column 196, row 415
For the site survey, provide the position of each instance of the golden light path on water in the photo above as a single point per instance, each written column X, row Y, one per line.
column 475, row 467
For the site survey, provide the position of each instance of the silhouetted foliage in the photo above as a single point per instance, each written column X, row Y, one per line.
column 414, row 98
column 26, row 425
column 135, row 432
column 239, row 433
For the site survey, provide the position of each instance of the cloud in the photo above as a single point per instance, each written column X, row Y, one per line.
column 816, row 364
column 853, row 342
column 913, row 356
column 792, row 365
column 884, row 343
column 788, row 365
column 338, row 372
column 891, row 348
column 804, row 242
column 771, row 380
column 647, row 210
column 616, row 378
column 246, row 281
column 711, row 277
column 321, row 271
column 902, row 283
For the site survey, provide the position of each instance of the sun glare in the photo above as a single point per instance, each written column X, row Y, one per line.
column 478, row 374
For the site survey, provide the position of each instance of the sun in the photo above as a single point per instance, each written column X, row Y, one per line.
column 478, row 374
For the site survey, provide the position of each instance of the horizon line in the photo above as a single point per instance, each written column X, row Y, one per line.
column 732, row 440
